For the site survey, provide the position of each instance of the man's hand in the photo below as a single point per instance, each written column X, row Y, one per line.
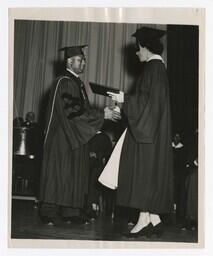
column 119, row 97
column 112, row 114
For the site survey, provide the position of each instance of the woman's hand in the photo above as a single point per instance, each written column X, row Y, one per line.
column 119, row 97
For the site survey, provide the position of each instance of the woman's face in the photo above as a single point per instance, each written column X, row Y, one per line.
column 142, row 53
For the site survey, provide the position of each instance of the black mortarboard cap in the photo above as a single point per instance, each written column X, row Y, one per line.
column 73, row 51
column 145, row 35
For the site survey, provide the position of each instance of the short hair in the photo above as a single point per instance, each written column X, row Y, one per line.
column 154, row 46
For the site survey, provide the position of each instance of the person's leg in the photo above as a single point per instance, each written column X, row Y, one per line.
column 76, row 215
column 143, row 221
column 154, row 219
column 48, row 212
column 67, row 212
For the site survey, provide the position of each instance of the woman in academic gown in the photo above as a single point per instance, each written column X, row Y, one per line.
column 145, row 179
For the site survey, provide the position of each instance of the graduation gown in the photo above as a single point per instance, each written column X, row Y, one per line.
column 145, row 178
column 71, row 123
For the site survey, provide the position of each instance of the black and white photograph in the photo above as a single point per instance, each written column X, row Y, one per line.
column 106, row 130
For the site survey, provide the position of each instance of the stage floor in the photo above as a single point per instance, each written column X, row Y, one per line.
column 26, row 224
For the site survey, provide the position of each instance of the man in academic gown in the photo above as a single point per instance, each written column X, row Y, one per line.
column 71, row 123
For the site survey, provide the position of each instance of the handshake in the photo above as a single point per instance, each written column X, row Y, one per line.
column 112, row 113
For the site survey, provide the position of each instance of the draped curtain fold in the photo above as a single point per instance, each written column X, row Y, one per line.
column 37, row 60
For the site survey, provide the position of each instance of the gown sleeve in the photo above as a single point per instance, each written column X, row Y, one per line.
column 145, row 108
column 79, row 122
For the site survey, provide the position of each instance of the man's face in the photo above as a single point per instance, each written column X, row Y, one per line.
column 78, row 64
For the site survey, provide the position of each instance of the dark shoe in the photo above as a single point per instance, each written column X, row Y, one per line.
column 68, row 220
column 191, row 225
column 157, row 230
column 47, row 221
column 143, row 232
column 92, row 215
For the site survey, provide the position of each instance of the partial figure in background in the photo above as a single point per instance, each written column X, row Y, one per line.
column 145, row 179
column 179, row 153
column 18, row 122
column 71, row 123
column 30, row 119
column 36, row 133
column 192, row 183
column 27, row 151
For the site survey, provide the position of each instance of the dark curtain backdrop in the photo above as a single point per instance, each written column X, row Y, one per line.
column 111, row 59
column 182, row 67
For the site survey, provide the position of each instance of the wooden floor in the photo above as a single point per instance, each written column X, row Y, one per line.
column 27, row 225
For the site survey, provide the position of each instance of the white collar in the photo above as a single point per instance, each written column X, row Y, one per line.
column 156, row 57
column 196, row 162
column 179, row 145
column 72, row 72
